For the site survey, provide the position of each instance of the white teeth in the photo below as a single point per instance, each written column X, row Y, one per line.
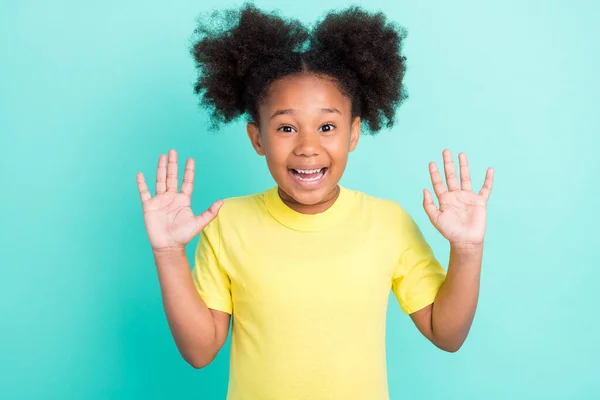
column 308, row 171
column 320, row 174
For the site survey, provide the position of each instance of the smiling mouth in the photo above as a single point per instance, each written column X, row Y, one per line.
column 308, row 175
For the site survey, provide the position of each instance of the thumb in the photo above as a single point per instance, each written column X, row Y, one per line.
column 208, row 215
column 430, row 208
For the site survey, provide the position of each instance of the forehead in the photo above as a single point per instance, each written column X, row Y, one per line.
column 305, row 92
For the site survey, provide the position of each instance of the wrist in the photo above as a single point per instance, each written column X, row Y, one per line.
column 169, row 252
column 467, row 248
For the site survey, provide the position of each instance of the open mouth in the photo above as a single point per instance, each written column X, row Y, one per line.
column 309, row 175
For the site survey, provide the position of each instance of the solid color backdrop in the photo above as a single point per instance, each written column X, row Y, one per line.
column 93, row 92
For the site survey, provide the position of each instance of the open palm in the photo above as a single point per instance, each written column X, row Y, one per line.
column 461, row 216
column 169, row 219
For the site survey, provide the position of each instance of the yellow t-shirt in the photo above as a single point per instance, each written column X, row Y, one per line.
column 309, row 293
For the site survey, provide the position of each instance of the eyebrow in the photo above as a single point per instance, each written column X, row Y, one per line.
column 291, row 111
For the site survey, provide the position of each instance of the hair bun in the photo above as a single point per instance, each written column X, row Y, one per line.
column 371, row 47
column 228, row 45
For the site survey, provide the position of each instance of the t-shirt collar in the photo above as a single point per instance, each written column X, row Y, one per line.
column 307, row 222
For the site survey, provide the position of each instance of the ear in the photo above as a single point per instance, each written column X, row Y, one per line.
column 254, row 136
column 354, row 133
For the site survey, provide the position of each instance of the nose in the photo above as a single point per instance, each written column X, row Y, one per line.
column 307, row 144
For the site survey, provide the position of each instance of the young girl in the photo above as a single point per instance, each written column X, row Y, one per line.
column 305, row 269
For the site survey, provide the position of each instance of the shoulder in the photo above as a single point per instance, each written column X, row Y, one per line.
column 392, row 218
column 239, row 211
column 379, row 207
column 242, row 204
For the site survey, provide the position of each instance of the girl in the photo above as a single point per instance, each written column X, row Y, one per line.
column 306, row 267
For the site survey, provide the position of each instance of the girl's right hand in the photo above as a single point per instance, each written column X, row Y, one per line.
column 169, row 219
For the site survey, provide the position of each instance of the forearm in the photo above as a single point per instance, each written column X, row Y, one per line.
column 454, row 307
column 190, row 320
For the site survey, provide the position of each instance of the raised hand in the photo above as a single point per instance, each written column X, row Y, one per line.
column 169, row 220
column 461, row 216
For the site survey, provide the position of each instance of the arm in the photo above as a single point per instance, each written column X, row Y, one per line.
column 460, row 218
column 198, row 331
column 448, row 320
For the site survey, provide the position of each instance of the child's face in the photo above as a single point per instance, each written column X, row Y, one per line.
column 306, row 132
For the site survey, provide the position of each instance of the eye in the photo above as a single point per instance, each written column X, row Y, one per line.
column 286, row 129
column 327, row 128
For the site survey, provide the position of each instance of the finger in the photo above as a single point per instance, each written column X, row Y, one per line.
column 430, row 208
column 451, row 179
column 161, row 175
column 208, row 215
column 486, row 190
column 436, row 180
column 172, row 171
column 465, row 175
column 143, row 188
column 187, row 186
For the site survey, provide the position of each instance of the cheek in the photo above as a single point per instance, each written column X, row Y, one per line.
column 337, row 147
column 276, row 151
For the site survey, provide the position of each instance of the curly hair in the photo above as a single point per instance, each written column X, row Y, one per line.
column 240, row 52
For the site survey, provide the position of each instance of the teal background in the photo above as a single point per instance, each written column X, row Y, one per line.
column 93, row 92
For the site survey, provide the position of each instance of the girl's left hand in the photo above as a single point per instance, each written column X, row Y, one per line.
column 461, row 217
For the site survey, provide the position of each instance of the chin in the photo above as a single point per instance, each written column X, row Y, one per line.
column 308, row 197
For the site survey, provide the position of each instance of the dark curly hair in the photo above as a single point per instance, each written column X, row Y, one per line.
column 240, row 52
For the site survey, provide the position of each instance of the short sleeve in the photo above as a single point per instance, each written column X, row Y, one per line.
column 418, row 275
column 211, row 281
